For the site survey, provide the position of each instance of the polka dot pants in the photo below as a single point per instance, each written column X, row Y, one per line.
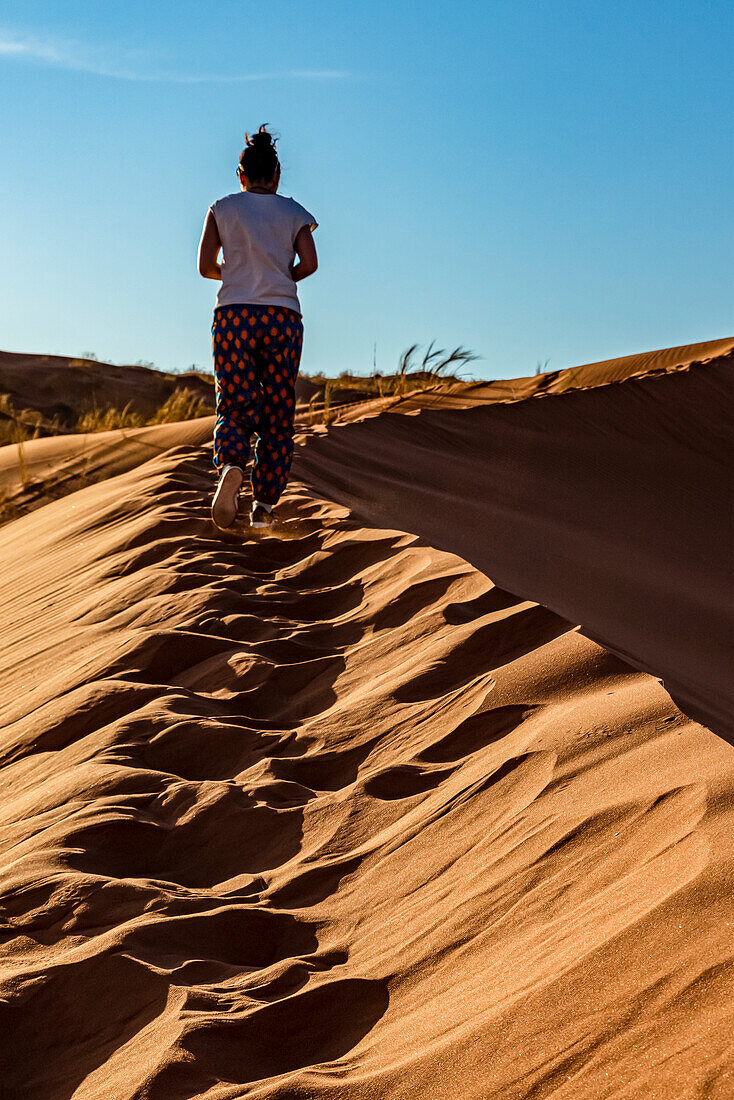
column 257, row 352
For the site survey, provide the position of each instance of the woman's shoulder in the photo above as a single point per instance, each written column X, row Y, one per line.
column 223, row 206
column 241, row 198
column 236, row 204
column 303, row 215
column 291, row 202
column 225, row 199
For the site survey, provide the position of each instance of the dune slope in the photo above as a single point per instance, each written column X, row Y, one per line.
column 331, row 815
column 37, row 471
column 612, row 506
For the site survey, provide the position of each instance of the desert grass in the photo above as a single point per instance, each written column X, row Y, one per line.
column 413, row 373
column 16, row 429
column 436, row 367
column 9, row 508
column 328, row 389
column 183, row 404
column 104, row 420
column 13, row 430
column 18, row 426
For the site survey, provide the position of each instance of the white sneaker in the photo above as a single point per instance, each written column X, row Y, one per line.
column 227, row 497
column 261, row 515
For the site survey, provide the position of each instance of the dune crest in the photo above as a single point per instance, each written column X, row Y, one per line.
column 611, row 505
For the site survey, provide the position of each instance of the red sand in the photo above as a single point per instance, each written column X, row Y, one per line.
column 330, row 815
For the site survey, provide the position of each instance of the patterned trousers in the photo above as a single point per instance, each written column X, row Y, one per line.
column 257, row 353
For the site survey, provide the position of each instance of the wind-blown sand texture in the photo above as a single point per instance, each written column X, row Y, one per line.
column 42, row 470
column 329, row 814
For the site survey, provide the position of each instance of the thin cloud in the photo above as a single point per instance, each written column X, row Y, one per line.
column 71, row 55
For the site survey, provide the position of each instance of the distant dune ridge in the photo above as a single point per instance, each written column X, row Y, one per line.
column 334, row 815
column 60, row 386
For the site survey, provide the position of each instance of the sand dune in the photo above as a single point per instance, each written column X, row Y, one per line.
column 60, row 386
column 612, row 506
column 330, row 814
column 46, row 468
column 41, row 470
column 467, row 395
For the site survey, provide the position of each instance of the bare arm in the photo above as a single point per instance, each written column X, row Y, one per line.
column 209, row 246
column 306, row 252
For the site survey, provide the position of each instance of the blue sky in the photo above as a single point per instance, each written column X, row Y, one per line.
column 534, row 179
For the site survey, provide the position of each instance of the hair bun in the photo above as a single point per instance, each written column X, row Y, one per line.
column 259, row 159
column 260, row 140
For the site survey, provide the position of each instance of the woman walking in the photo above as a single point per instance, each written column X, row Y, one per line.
column 257, row 329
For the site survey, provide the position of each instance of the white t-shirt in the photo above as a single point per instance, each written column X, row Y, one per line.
column 258, row 234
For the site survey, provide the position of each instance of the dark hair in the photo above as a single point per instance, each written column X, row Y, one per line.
column 259, row 160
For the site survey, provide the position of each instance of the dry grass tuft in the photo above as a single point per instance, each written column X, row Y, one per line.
column 436, row 367
column 182, row 404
